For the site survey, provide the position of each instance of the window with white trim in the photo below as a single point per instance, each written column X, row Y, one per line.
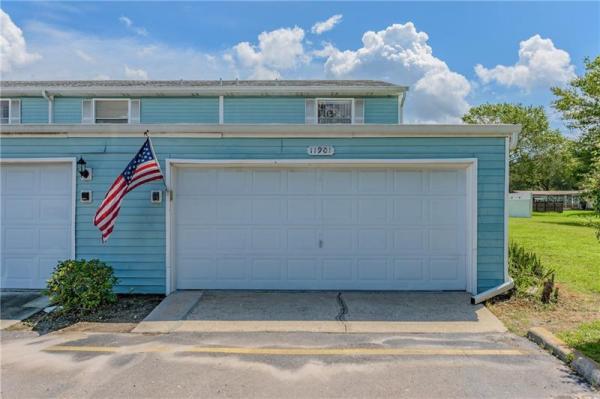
column 334, row 111
column 10, row 111
column 111, row 111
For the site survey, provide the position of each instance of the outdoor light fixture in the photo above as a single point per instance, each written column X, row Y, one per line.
column 83, row 172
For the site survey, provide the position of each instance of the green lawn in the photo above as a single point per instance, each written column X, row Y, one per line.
column 586, row 339
column 565, row 244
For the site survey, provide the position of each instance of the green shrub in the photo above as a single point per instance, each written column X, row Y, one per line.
column 81, row 285
column 531, row 277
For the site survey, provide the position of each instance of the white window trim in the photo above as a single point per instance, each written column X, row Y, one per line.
column 9, row 110
column 110, row 99
column 468, row 164
column 66, row 160
column 351, row 99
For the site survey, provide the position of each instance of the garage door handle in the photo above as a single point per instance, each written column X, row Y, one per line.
column 320, row 243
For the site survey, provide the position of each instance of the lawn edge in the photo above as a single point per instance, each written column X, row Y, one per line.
column 583, row 365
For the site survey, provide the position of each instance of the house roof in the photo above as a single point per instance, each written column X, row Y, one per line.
column 199, row 87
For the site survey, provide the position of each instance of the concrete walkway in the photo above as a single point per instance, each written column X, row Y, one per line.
column 19, row 305
column 319, row 311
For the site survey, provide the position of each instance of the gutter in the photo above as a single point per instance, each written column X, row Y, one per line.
column 50, row 100
column 492, row 292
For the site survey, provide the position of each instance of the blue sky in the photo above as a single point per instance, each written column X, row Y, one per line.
column 434, row 47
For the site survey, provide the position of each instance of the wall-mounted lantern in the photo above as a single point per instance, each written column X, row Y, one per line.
column 82, row 169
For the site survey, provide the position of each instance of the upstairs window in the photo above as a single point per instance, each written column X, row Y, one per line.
column 10, row 111
column 334, row 111
column 104, row 110
column 111, row 111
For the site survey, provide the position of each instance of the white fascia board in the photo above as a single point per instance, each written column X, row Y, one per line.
column 102, row 91
column 262, row 130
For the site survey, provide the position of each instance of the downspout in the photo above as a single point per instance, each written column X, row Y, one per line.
column 50, row 100
column 492, row 292
column 401, row 107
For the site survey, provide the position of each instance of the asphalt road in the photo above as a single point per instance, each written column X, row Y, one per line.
column 94, row 365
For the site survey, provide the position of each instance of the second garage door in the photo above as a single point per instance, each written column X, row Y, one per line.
column 319, row 228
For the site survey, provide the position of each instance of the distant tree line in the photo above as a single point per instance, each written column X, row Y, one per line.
column 545, row 159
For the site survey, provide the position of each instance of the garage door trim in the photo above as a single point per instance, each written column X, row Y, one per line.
column 468, row 164
column 64, row 160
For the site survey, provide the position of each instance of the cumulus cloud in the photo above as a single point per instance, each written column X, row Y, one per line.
column 129, row 25
column 402, row 55
column 277, row 51
column 329, row 24
column 107, row 57
column 540, row 64
column 13, row 48
column 135, row 74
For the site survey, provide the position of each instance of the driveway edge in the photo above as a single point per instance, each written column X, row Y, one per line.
column 583, row 365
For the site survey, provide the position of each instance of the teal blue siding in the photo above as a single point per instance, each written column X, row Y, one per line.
column 263, row 110
column 34, row 110
column 67, row 110
column 381, row 110
column 180, row 110
column 137, row 247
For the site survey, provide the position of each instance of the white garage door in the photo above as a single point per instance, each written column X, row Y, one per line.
column 36, row 204
column 320, row 228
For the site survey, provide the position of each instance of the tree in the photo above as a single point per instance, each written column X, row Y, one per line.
column 542, row 158
column 579, row 105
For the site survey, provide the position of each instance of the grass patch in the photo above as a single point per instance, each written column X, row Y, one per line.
column 585, row 338
column 565, row 243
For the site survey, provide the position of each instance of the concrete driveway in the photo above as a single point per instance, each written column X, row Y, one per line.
column 268, row 345
column 19, row 305
column 319, row 311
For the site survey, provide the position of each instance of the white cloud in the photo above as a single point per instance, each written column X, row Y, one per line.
column 135, row 74
column 540, row 64
column 277, row 51
column 13, row 48
column 402, row 55
column 84, row 56
column 129, row 25
column 107, row 56
column 329, row 24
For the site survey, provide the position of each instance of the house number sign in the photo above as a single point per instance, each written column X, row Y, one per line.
column 320, row 150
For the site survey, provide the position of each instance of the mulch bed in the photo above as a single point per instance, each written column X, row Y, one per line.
column 127, row 309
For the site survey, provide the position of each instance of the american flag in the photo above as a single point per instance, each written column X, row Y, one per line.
column 143, row 168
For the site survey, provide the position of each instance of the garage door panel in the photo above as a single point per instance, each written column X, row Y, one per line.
column 302, row 239
column 373, row 210
column 408, row 182
column 20, row 210
column 266, row 269
column 54, row 209
column 412, row 269
column 267, row 182
column 54, row 240
column 338, row 269
column 232, row 268
column 336, row 240
column 373, row 182
column 409, row 211
column 266, row 240
column 303, row 269
column 373, row 269
column 267, row 211
column 325, row 229
column 303, row 210
column 36, row 222
column 19, row 239
column 196, row 209
column 198, row 182
column 54, row 181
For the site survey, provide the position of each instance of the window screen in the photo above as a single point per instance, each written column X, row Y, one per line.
column 4, row 111
column 334, row 111
column 112, row 111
